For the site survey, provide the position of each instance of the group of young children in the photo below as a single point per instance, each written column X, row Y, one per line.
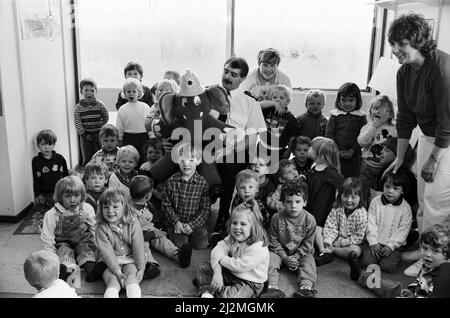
column 329, row 197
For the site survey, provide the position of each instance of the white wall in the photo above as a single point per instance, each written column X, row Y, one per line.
column 38, row 93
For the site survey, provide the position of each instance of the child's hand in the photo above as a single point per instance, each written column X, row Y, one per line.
column 345, row 242
column 179, row 228
column 139, row 275
column 187, row 229
column 329, row 248
column 378, row 122
column 121, row 277
column 40, row 199
column 279, row 110
column 385, row 251
column 159, row 233
column 217, row 281
column 343, row 154
column 293, row 263
column 350, row 153
column 376, row 250
column 167, row 145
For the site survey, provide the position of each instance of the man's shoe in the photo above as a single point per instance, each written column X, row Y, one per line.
column 151, row 270
column 184, row 255
column 355, row 266
column 95, row 272
column 273, row 293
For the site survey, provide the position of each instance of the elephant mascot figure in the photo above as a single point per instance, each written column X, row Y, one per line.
column 191, row 108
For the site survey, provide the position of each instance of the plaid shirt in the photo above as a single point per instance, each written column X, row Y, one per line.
column 351, row 228
column 186, row 201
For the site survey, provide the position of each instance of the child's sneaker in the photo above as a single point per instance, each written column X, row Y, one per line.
column 273, row 293
column 207, row 295
column 184, row 255
column 305, row 291
column 355, row 266
column 63, row 272
column 151, row 270
column 324, row 258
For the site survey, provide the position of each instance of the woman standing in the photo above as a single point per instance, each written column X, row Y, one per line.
column 423, row 96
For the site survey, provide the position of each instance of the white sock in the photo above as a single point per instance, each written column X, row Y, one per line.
column 111, row 293
column 207, row 295
column 134, row 291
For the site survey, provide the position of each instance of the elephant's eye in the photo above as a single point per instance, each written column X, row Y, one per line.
column 184, row 101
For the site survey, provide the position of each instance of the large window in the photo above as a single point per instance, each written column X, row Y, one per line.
column 158, row 34
column 323, row 43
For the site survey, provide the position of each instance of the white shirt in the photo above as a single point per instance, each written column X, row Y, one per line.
column 59, row 289
column 131, row 118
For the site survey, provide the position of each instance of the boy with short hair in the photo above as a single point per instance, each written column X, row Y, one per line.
column 90, row 115
column 299, row 149
column 286, row 172
column 127, row 159
column 186, row 202
column 48, row 168
column 41, row 270
column 291, row 236
column 109, row 138
column 134, row 70
column 312, row 123
column 141, row 188
column 95, row 178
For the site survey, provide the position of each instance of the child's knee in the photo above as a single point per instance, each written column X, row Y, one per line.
column 356, row 249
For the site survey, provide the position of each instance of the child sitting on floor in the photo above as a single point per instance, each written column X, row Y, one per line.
column 240, row 262
column 346, row 224
column 433, row 280
column 286, row 172
column 291, row 236
column 68, row 229
column 120, row 243
column 127, row 159
column 141, row 193
column 389, row 222
column 41, row 270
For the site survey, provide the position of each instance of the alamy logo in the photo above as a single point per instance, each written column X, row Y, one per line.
column 374, row 279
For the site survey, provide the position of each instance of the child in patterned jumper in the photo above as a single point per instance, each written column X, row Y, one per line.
column 239, row 263
column 90, row 115
column 186, row 204
column 371, row 139
column 141, row 192
column 120, row 243
column 41, row 270
column 389, row 222
column 344, row 126
column 108, row 154
column 291, row 235
column 266, row 187
column 95, row 178
column 346, row 224
column 312, row 123
column 48, row 168
column 127, row 159
column 68, row 229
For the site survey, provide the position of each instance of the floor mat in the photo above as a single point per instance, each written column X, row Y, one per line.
column 31, row 224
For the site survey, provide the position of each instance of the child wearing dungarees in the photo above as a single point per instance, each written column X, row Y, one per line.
column 68, row 229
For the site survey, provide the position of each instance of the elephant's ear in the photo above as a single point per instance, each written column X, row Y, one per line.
column 218, row 98
column 167, row 109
